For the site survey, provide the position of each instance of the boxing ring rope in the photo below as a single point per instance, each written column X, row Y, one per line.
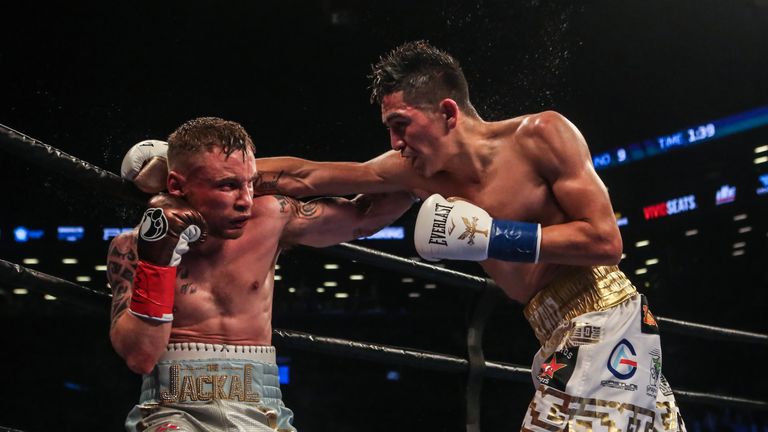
column 435, row 273
column 98, row 301
column 52, row 159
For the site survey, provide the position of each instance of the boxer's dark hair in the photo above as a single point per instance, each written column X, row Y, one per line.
column 425, row 74
column 204, row 133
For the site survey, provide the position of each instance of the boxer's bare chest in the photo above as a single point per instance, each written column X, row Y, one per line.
column 510, row 188
column 218, row 290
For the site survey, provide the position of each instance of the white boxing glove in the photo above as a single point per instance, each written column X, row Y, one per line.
column 139, row 155
column 456, row 229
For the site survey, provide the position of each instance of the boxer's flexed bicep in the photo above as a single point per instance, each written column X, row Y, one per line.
column 328, row 221
column 121, row 268
column 561, row 156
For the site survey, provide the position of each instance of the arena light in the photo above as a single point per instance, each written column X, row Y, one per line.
column 745, row 229
column 406, row 280
column 49, row 297
column 320, row 290
column 69, row 261
column 387, row 233
column 760, row 160
column 70, row 233
column 278, row 277
column 739, row 245
column 291, row 290
column 642, row 243
column 738, row 252
column 414, row 295
column 22, row 234
column 641, row 271
column 356, row 277
column 623, row 256
column 652, row 261
column 100, row 267
column 277, row 266
column 83, row 278
column 430, row 286
column 110, row 232
column 30, row 261
column 691, row 232
column 740, row 217
column 726, row 194
column 330, row 284
column 341, row 295
column 761, row 149
column 20, row 291
column 331, row 266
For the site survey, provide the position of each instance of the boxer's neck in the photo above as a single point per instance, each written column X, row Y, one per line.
column 473, row 149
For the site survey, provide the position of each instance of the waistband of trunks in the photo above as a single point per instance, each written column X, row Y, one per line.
column 203, row 351
column 575, row 292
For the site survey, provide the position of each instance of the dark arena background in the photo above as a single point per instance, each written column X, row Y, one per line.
column 672, row 97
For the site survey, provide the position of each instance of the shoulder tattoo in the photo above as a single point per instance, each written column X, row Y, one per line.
column 308, row 210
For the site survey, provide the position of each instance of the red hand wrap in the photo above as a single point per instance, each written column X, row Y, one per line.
column 153, row 290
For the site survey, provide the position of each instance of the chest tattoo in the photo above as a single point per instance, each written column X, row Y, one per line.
column 187, row 287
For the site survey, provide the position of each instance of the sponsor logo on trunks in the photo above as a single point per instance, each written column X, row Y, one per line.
column 196, row 387
column 648, row 318
column 618, row 385
column 664, row 386
column 652, row 388
column 648, row 323
column 557, row 369
column 167, row 427
column 584, row 334
column 622, row 363
column 438, row 236
column 154, row 225
column 548, row 369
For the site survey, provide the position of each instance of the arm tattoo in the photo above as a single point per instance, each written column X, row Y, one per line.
column 309, row 210
column 266, row 183
column 120, row 271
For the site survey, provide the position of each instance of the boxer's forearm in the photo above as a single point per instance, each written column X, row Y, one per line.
column 380, row 210
column 139, row 342
column 580, row 243
column 299, row 178
column 153, row 176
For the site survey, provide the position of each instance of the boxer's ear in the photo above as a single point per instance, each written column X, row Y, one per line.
column 450, row 110
column 176, row 183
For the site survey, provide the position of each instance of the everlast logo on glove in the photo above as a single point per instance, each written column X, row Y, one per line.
column 438, row 235
column 154, row 225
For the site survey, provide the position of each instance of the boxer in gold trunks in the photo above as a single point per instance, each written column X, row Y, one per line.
column 525, row 202
column 193, row 284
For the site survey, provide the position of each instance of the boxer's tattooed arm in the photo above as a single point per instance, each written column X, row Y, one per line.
column 308, row 210
column 187, row 287
column 121, row 268
column 266, row 183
